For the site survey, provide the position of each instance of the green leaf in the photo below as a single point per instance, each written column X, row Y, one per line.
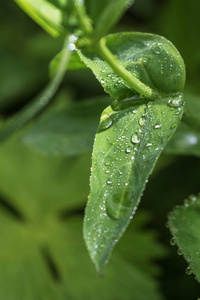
column 74, row 64
column 24, row 262
column 53, row 16
column 52, row 183
column 127, row 145
column 184, row 224
column 150, row 58
column 185, row 141
column 44, row 254
column 38, row 104
column 69, row 131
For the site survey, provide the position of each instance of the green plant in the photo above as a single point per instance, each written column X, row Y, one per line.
column 144, row 75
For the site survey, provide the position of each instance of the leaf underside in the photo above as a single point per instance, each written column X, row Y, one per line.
column 184, row 224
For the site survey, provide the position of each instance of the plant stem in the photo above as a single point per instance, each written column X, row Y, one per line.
column 129, row 78
column 39, row 103
column 84, row 20
column 107, row 18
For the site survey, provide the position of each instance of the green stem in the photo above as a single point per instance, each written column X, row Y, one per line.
column 39, row 103
column 107, row 18
column 129, row 78
column 84, row 20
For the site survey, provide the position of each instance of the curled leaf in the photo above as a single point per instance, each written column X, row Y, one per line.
column 150, row 58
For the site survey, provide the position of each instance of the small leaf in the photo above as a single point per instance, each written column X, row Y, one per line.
column 52, row 16
column 127, row 145
column 74, row 64
column 184, row 223
column 185, row 141
column 69, row 131
column 150, row 58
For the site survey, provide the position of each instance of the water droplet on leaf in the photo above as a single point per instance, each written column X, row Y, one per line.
column 158, row 126
column 119, row 205
column 109, row 181
column 157, row 49
column 105, row 122
column 128, row 150
column 193, row 198
column 179, row 252
column 175, row 102
column 141, row 121
column 135, row 139
column 71, row 47
column 188, row 271
column 173, row 241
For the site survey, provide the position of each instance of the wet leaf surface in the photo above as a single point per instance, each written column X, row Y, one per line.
column 184, row 223
column 127, row 145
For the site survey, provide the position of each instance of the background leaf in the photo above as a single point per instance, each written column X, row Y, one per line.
column 127, row 145
column 43, row 252
column 53, row 16
column 37, row 105
column 74, row 64
column 185, row 141
column 175, row 23
column 95, row 8
column 31, row 176
column 184, row 226
column 68, row 131
column 192, row 110
column 103, row 17
column 150, row 58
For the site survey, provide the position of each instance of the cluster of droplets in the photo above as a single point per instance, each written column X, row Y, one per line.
column 167, row 61
column 107, row 77
column 173, row 242
column 125, row 147
column 72, row 39
column 176, row 102
column 191, row 201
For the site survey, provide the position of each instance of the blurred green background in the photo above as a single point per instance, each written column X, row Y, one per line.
column 44, row 171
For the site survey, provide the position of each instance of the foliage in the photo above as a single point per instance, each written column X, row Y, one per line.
column 184, row 224
column 149, row 124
